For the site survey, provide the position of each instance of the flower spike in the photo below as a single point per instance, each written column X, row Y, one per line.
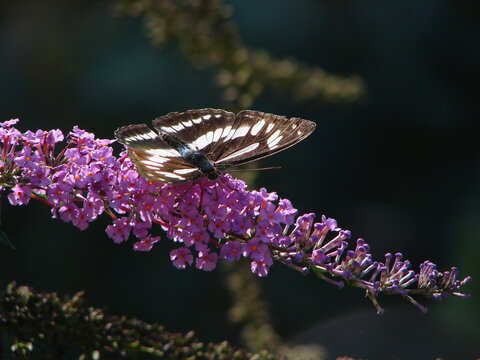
column 210, row 220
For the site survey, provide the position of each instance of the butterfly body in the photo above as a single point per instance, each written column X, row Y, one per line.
column 193, row 157
column 205, row 142
column 202, row 163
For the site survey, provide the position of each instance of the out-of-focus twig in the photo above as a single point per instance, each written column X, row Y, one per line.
column 206, row 35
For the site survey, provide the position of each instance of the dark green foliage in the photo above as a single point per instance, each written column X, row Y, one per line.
column 5, row 240
column 43, row 325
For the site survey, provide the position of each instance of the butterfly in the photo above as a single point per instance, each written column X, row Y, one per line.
column 196, row 143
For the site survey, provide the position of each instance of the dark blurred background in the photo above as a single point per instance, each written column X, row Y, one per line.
column 400, row 167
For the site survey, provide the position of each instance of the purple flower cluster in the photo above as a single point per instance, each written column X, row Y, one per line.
column 209, row 220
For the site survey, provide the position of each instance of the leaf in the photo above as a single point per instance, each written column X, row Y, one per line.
column 5, row 240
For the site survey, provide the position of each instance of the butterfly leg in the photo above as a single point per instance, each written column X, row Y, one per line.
column 184, row 193
column 216, row 190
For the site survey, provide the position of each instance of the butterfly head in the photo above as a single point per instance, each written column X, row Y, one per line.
column 213, row 174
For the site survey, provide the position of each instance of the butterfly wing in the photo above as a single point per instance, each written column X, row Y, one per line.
column 154, row 158
column 255, row 135
column 200, row 130
column 209, row 139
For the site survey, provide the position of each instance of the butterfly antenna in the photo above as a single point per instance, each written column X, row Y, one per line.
column 257, row 169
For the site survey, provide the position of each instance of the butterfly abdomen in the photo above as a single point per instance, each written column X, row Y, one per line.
column 201, row 162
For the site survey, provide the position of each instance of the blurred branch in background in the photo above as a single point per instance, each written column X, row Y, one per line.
column 252, row 312
column 207, row 37
column 249, row 309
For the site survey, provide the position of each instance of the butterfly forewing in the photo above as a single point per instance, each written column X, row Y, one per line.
column 256, row 135
column 200, row 129
column 203, row 142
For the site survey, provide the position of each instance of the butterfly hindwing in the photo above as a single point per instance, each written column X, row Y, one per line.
column 158, row 169
column 155, row 159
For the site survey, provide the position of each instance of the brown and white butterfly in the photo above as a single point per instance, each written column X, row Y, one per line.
column 205, row 142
